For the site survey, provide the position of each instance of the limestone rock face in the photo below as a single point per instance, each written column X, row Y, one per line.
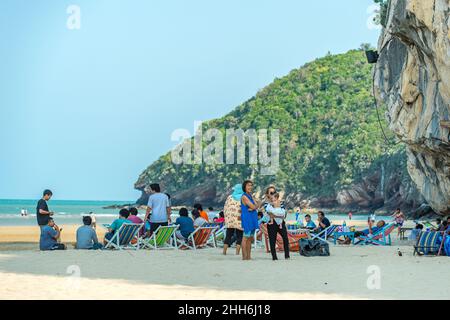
column 412, row 78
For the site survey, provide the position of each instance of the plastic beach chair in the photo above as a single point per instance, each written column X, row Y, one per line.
column 163, row 238
column 123, row 237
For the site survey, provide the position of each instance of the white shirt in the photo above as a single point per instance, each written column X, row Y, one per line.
column 278, row 212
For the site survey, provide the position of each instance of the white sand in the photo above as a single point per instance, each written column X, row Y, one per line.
column 206, row 274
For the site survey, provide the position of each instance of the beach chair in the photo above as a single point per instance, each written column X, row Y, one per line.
column 324, row 234
column 380, row 238
column 198, row 239
column 427, row 243
column 220, row 235
column 294, row 239
column 163, row 238
column 213, row 238
column 123, row 237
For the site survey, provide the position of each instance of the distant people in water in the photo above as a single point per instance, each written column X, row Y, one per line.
column 42, row 212
column 94, row 220
column 24, row 213
column 198, row 220
column 133, row 217
column 350, row 215
column 158, row 209
column 115, row 226
column 220, row 219
column 86, row 236
column 50, row 237
column 203, row 213
column 186, row 224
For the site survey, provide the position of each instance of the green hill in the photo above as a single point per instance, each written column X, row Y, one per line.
column 330, row 139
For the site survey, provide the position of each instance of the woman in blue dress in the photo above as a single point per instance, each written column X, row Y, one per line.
column 249, row 217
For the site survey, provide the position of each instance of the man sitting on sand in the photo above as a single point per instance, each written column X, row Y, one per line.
column 50, row 235
column 115, row 226
column 86, row 236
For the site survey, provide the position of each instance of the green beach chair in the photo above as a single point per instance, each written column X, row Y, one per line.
column 123, row 237
column 163, row 238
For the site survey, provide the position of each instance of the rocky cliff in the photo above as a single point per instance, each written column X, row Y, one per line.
column 412, row 78
column 332, row 153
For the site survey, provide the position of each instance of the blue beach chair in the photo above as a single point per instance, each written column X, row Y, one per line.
column 123, row 237
column 428, row 243
column 380, row 238
column 324, row 234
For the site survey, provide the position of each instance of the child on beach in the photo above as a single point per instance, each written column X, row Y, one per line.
column 123, row 218
column 278, row 214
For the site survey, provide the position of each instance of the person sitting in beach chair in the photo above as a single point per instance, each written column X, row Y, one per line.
column 123, row 218
column 202, row 213
column 186, row 225
column 133, row 217
column 415, row 233
column 322, row 221
column 309, row 224
column 86, row 236
column 198, row 220
column 50, row 236
column 220, row 219
column 371, row 229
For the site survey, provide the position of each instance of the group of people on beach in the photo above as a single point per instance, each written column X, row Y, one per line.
column 242, row 215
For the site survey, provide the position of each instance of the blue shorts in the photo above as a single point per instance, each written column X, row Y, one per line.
column 249, row 234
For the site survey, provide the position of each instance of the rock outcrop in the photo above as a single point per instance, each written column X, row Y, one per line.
column 412, row 78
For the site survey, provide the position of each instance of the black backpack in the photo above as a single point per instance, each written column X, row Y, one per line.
column 314, row 248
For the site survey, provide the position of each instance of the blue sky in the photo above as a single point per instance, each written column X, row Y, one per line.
column 83, row 112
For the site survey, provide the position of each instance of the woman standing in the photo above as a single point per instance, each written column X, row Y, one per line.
column 270, row 191
column 249, row 216
column 232, row 212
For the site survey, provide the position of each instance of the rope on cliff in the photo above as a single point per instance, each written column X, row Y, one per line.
column 386, row 140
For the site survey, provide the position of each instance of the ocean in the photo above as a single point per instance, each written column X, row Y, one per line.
column 66, row 211
column 71, row 212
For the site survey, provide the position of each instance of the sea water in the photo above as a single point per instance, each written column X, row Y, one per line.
column 66, row 211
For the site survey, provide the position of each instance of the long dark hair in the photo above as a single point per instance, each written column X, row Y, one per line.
column 244, row 185
column 195, row 213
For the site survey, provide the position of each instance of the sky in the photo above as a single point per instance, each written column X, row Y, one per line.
column 84, row 111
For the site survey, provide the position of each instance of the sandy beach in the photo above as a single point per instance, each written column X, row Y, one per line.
column 27, row 273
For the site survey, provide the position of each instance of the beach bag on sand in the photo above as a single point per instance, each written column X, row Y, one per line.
column 314, row 248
